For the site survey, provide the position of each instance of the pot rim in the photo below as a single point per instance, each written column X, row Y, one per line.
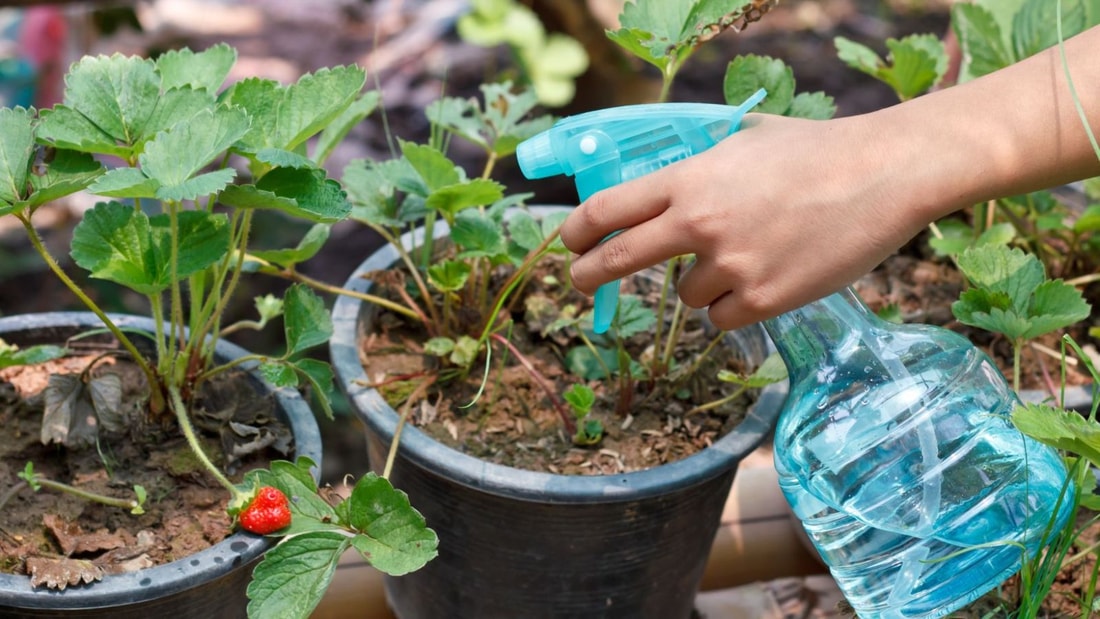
column 426, row 452
column 240, row 548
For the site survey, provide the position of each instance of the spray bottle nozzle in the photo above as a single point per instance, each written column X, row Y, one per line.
column 606, row 147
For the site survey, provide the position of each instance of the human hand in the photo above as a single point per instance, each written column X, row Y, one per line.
column 781, row 213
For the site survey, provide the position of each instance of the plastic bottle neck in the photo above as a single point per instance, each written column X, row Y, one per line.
column 813, row 336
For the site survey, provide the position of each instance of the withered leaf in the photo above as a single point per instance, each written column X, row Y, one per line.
column 72, row 407
column 73, row 540
column 58, row 573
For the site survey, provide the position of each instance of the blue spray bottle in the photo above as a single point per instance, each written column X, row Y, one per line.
column 894, row 445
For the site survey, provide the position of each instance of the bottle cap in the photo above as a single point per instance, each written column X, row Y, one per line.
column 536, row 157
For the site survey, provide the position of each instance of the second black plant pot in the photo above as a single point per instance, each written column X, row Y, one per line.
column 521, row 544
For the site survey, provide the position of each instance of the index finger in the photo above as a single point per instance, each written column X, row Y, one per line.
column 613, row 209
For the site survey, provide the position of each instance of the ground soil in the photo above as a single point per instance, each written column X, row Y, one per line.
column 64, row 538
column 515, row 421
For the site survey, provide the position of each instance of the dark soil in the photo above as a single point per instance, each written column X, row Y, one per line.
column 647, row 422
column 62, row 538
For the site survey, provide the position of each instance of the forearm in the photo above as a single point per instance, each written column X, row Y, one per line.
column 1010, row 132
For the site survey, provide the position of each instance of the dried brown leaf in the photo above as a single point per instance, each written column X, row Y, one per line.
column 58, row 573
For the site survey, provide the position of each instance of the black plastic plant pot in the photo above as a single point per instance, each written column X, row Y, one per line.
column 208, row 584
column 516, row 543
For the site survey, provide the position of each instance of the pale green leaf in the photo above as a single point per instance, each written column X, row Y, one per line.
column 292, row 577
column 858, row 56
column 66, row 172
column 117, row 94
column 205, row 70
column 633, row 317
column 306, row 320
column 261, row 99
column 1033, row 27
column 198, row 186
column 174, row 155
column 1003, row 269
column 525, row 231
column 1061, row 429
column 320, row 377
column 657, row 31
column 313, row 102
column 812, row 105
column 279, row 158
column 772, row 370
column 997, row 234
column 747, row 74
column 393, row 536
column 125, row 183
column 581, row 398
column 917, row 63
column 433, row 167
column 465, row 352
column 453, row 200
column 12, row 355
column 439, row 346
column 338, row 129
column 981, row 40
column 307, row 248
column 477, row 234
column 1056, row 305
column 279, row 374
column 64, row 127
column 16, row 152
column 449, row 275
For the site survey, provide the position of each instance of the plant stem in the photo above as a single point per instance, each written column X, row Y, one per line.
column 559, row 406
column 713, row 404
column 396, row 308
column 413, row 397
column 176, row 301
column 156, row 396
column 84, row 494
column 193, row 441
column 414, row 272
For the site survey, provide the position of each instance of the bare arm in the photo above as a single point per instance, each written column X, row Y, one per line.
column 788, row 210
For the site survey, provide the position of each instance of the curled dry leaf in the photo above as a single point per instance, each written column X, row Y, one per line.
column 74, row 540
column 58, row 573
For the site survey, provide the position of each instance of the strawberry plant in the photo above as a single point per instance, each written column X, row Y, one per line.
column 184, row 165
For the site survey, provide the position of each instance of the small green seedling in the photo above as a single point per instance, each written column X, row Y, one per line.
column 1011, row 295
column 36, row 482
column 589, row 431
column 914, row 65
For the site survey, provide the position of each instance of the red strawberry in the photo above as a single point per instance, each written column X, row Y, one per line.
column 267, row 513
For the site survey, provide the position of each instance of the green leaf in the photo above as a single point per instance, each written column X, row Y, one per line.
column 499, row 125
column 117, row 94
column 812, row 105
column 338, row 129
column 307, row 321
column 478, row 235
column 314, row 102
column 747, row 74
column 1034, row 29
column 1056, row 305
column 119, row 243
column 997, row 234
column 393, row 536
column 453, row 199
column 1059, row 428
column 1002, row 269
column 981, row 39
column 306, row 194
column 205, row 70
column 772, row 370
column 279, row 373
column 633, row 317
column 661, row 32
column 292, row 577
column 1088, row 221
column 65, row 127
column 307, row 248
column 16, row 152
column 449, row 275
column 372, row 188
column 320, row 377
column 581, row 398
column 525, row 231
column 261, row 98
column 915, row 63
column 279, row 158
column 583, row 363
column 175, row 155
column 178, row 106
column 439, row 346
column 465, row 352
column 433, row 167
column 66, row 172
column 201, row 185
column 553, row 66
column 12, row 355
